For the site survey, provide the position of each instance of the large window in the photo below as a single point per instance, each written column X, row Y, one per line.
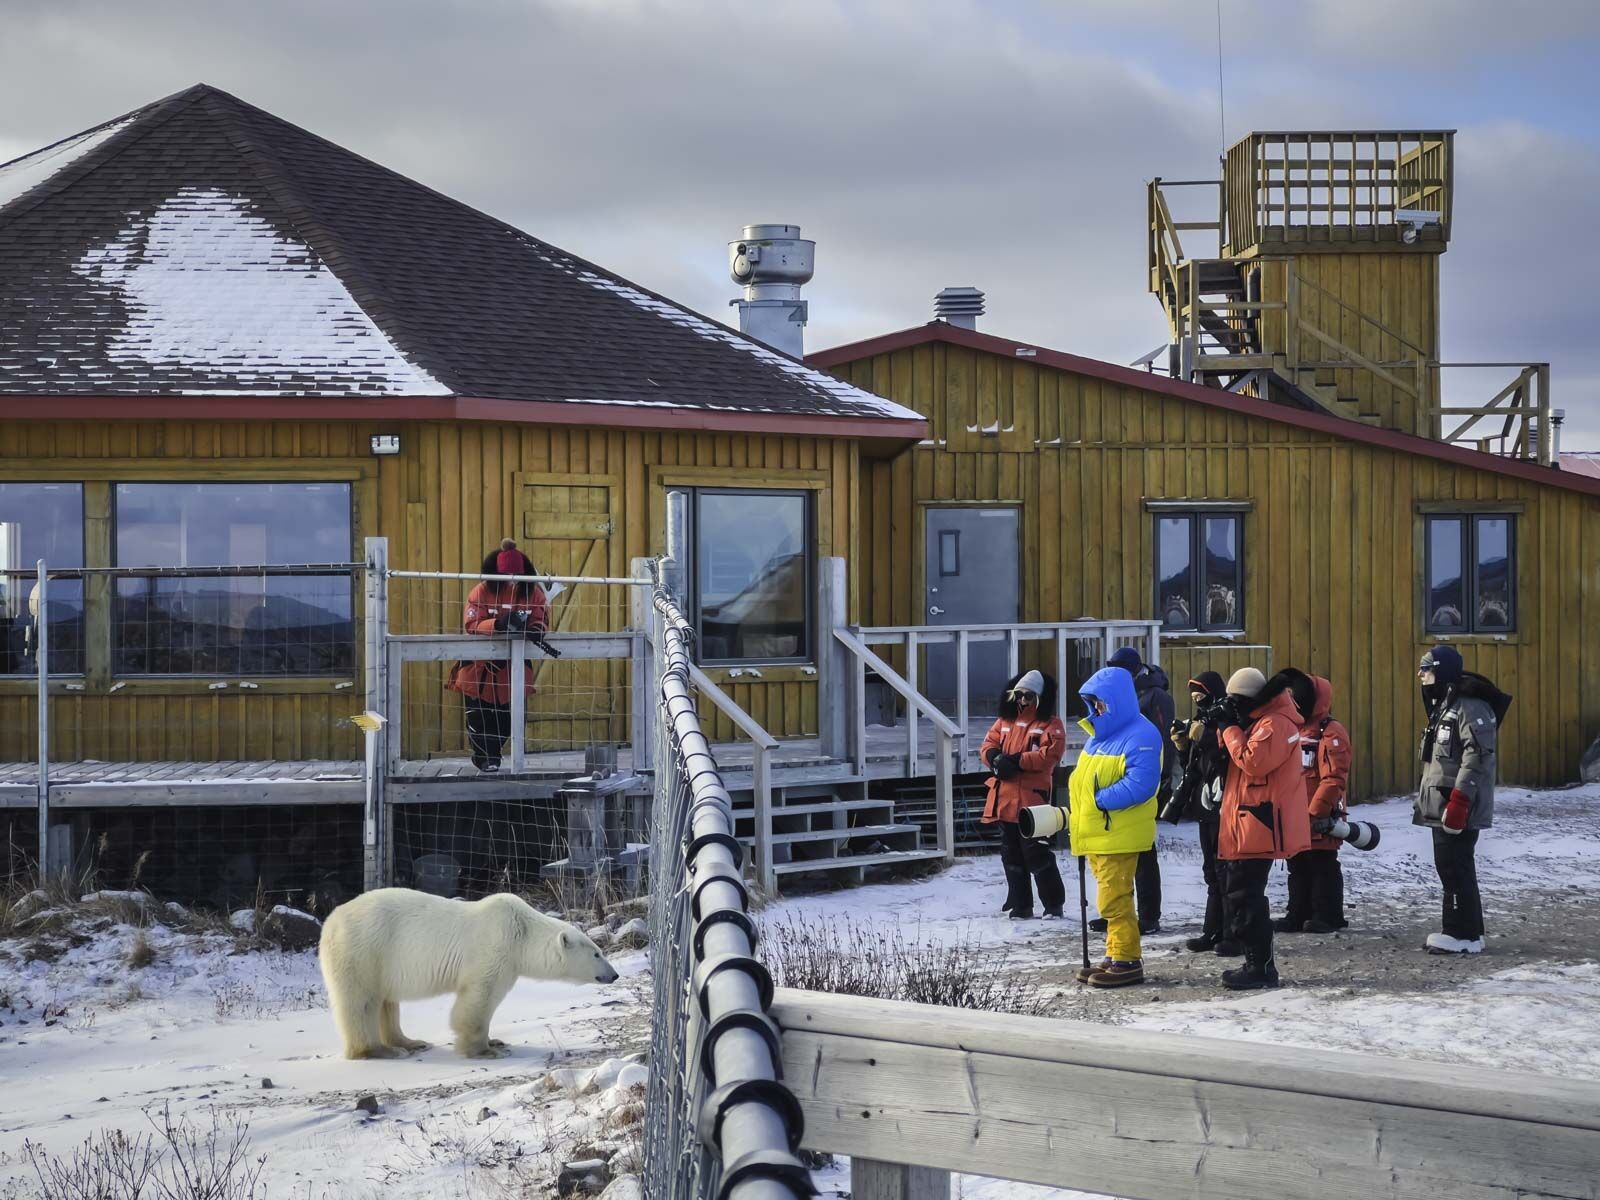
column 1199, row 570
column 1470, row 573
column 199, row 624
column 40, row 520
column 752, row 574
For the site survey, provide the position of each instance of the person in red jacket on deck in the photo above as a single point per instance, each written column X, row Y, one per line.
column 1023, row 748
column 1316, row 884
column 1264, row 814
column 495, row 607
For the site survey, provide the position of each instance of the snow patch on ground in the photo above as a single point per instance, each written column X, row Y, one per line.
column 210, row 285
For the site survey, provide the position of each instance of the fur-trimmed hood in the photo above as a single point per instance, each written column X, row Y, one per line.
column 1047, row 698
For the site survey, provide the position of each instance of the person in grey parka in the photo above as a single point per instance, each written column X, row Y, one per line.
column 1456, row 796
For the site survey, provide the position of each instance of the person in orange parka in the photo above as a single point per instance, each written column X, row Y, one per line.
column 1316, row 884
column 1023, row 748
column 493, row 607
column 1264, row 814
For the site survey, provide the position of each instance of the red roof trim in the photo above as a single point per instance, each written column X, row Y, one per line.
column 454, row 408
column 1340, row 427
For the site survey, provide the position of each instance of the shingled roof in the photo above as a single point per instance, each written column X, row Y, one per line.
column 202, row 247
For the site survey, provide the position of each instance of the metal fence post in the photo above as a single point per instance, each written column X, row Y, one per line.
column 519, row 704
column 375, row 856
column 41, row 650
column 642, row 709
column 833, row 666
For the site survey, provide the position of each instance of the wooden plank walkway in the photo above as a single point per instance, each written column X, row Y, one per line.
column 90, row 783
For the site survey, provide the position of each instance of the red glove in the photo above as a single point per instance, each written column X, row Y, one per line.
column 1456, row 810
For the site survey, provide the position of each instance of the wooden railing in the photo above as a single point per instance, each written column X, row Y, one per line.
column 1284, row 187
column 912, row 1093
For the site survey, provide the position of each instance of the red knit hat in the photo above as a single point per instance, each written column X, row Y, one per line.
column 511, row 561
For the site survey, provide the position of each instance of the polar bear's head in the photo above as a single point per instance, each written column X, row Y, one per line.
column 547, row 948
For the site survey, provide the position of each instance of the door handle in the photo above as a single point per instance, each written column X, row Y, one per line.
column 935, row 611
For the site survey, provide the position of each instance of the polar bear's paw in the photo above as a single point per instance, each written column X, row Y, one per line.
column 377, row 1052
column 412, row 1044
column 482, row 1049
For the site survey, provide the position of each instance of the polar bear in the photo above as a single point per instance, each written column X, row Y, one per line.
column 396, row 944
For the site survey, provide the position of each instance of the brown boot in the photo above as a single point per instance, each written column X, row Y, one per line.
column 1085, row 972
column 1118, row 974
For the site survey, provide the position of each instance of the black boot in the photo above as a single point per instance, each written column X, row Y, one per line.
column 1227, row 948
column 1203, row 944
column 1257, row 972
column 1289, row 923
column 1098, row 924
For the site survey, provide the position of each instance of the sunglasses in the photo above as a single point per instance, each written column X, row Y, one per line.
column 1024, row 697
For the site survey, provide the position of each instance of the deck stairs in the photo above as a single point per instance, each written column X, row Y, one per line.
column 830, row 827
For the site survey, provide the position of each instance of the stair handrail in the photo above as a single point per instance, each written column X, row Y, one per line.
column 946, row 735
column 1302, row 281
column 762, row 745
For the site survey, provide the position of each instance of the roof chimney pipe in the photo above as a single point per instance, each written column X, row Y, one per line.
column 959, row 306
column 772, row 262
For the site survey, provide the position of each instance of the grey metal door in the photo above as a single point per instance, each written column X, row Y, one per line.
column 971, row 578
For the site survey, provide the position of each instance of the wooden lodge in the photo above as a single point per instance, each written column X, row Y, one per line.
column 1307, row 483
column 267, row 405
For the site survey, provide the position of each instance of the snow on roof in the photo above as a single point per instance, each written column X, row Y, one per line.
column 205, row 281
column 823, row 384
column 22, row 175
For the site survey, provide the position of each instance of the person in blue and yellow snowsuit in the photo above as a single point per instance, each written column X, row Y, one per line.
column 1112, row 796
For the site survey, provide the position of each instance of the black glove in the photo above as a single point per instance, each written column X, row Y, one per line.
column 500, row 619
column 517, row 621
column 990, row 757
column 1227, row 713
column 1008, row 766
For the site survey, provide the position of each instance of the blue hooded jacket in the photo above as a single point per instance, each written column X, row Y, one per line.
column 1118, row 773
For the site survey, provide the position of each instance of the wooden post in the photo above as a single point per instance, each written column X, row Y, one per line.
column 963, row 686
column 1546, row 443
column 761, row 799
column 41, row 651
column 858, row 709
column 833, row 660
column 873, row 1180
column 519, row 703
column 913, row 717
column 375, row 856
column 944, row 795
column 643, row 670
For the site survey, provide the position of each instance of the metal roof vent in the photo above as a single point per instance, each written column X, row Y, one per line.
column 773, row 262
column 960, row 306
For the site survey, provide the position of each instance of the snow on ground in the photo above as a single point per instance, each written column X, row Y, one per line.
column 204, row 1028
column 98, row 1042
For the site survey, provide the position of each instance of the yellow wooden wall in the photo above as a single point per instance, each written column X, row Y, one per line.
column 449, row 496
column 1331, row 545
column 1385, row 306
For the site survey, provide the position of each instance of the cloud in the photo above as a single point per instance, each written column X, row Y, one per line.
column 923, row 143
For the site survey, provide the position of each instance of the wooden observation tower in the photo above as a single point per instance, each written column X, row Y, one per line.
column 1317, row 284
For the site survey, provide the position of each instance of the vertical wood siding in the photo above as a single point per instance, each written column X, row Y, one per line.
column 1332, row 551
column 452, row 493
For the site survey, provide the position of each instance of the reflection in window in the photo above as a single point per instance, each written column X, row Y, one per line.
column 752, row 575
column 40, row 520
column 210, row 625
column 1471, row 574
column 1199, row 571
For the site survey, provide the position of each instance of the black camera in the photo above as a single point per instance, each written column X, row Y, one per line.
column 517, row 621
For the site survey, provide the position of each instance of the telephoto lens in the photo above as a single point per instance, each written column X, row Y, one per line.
column 1363, row 835
column 1042, row 821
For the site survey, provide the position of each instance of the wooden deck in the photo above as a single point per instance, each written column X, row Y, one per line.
column 92, row 784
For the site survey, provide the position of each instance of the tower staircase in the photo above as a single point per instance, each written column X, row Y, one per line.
column 1317, row 287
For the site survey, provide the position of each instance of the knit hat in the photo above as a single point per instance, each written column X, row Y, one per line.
column 1247, row 682
column 1127, row 658
column 1445, row 663
column 1031, row 682
column 510, row 560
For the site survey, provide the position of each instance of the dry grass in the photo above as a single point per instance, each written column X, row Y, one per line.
column 141, row 953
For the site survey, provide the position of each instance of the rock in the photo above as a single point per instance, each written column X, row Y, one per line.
column 632, row 935
column 485, row 1113
column 290, row 929
column 631, row 1076
column 598, row 934
column 244, row 920
column 31, row 905
column 369, row 1104
column 266, row 1083
column 624, row 1187
column 587, row 1177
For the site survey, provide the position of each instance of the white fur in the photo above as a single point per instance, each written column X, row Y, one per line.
column 395, row 944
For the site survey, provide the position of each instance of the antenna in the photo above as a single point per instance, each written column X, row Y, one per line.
column 1222, row 108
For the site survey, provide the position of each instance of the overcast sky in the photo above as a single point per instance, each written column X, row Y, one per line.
column 922, row 143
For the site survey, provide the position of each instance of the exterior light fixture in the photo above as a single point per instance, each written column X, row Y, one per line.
column 386, row 443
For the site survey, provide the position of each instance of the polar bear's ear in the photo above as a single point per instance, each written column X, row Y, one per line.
column 566, row 940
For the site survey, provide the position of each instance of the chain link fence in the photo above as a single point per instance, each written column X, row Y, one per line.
column 719, row 1121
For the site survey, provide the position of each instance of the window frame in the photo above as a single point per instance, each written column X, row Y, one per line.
column 1468, row 549
column 807, row 498
column 1197, row 515
column 83, row 604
